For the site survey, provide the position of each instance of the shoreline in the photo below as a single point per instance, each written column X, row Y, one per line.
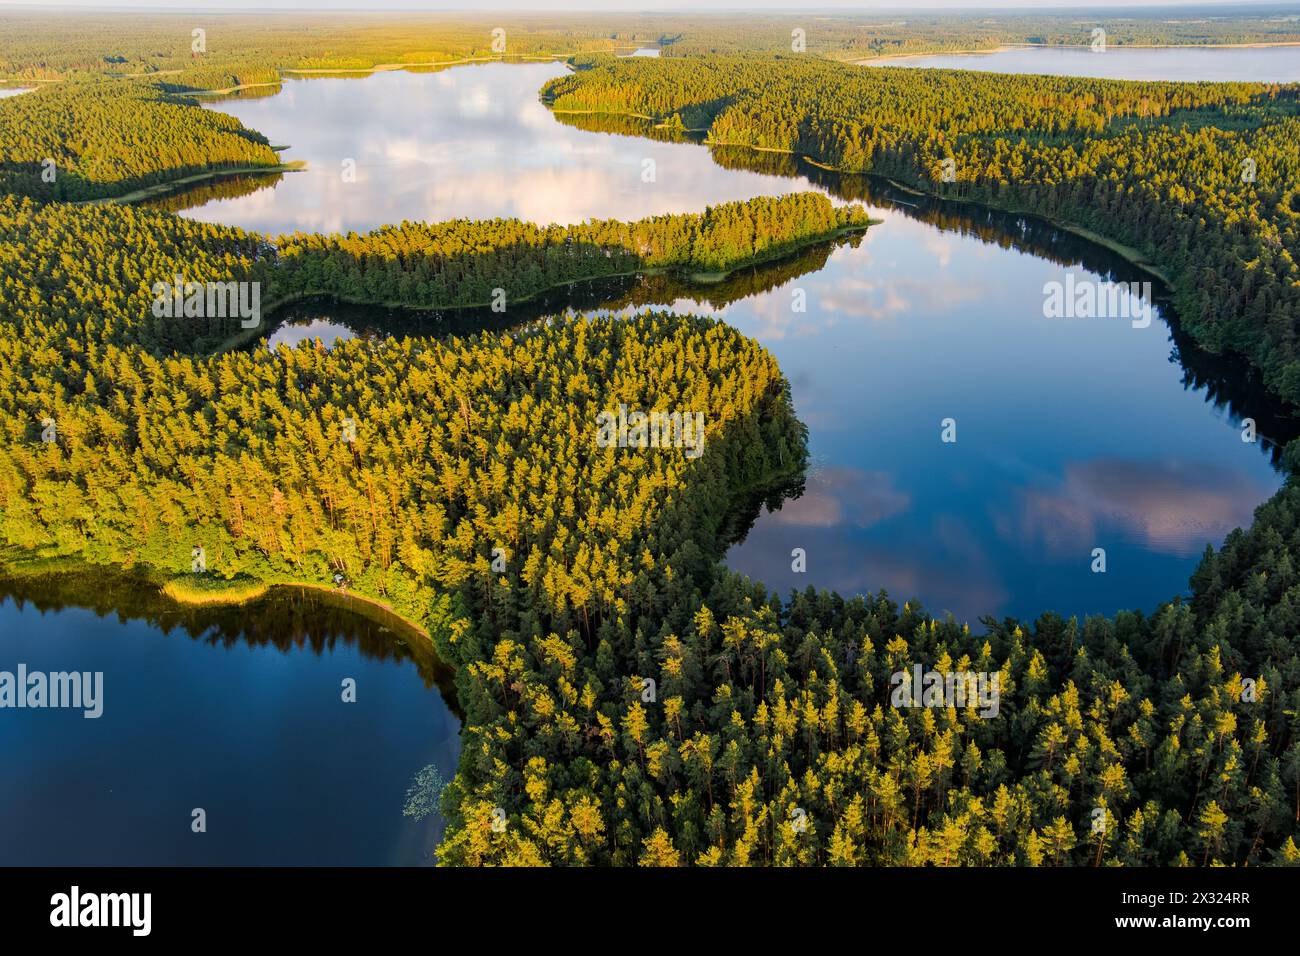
column 337, row 70
column 228, row 90
column 177, row 185
column 19, row 563
column 31, row 82
column 364, row 71
column 340, row 598
column 1133, row 257
column 395, row 67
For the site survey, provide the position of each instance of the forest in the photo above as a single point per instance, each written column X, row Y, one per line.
column 449, row 265
column 154, row 451
column 239, row 49
column 626, row 699
column 774, row 711
column 459, row 263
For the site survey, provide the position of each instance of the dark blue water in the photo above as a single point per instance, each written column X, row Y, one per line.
column 1071, row 435
column 238, row 712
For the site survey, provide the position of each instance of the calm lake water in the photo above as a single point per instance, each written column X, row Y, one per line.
column 238, row 712
column 1072, row 434
column 468, row 141
column 1280, row 64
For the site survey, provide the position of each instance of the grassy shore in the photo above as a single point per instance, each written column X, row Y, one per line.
column 204, row 589
column 175, row 185
column 208, row 589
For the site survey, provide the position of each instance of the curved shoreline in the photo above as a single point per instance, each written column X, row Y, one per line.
column 333, row 595
column 363, row 71
column 1133, row 256
column 17, row 562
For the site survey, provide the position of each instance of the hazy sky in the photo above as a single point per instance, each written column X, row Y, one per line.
column 612, row 6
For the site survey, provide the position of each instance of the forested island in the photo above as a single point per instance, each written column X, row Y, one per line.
column 457, row 479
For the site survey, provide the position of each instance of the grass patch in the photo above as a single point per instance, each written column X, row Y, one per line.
column 209, row 589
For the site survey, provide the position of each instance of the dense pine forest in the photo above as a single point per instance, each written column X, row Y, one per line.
column 627, row 699
column 459, row 263
column 125, row 402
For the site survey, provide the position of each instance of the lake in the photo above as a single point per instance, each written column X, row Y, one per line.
column 470, row 141
column 1279, row 64
column 238, row 712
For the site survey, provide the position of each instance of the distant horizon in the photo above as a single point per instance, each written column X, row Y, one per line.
column 642, row 7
